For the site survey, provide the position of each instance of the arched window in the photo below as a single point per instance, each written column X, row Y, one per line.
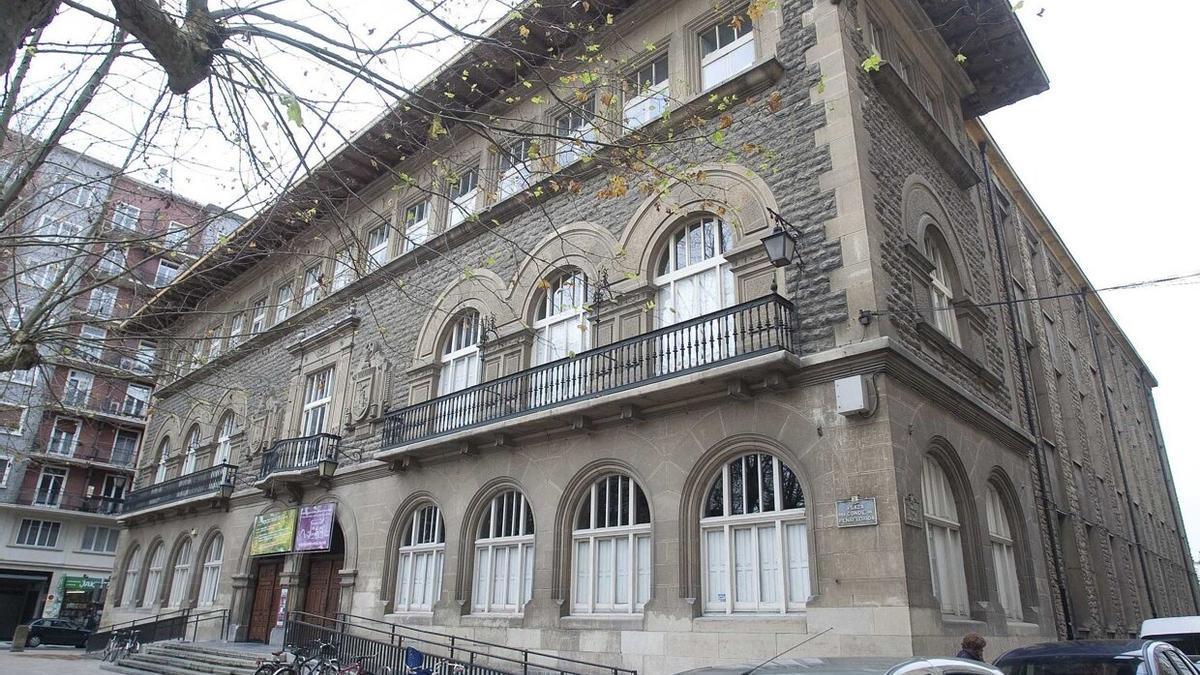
column 504, row 555
column 941, row 285
column 157, row 560
column 191, row 445
column 694, row 279
column 561, row 330
column 422, row 550
column 754, row 536
column 945, row 540
column 210, row 577
column 460, row 355
column 225, row 431
column 181, row 574
column 164, row 453
column 1004, row 557
column 611, row 548
column 133, row 568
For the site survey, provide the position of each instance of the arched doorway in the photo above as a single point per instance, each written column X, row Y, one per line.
column 308, row 582
column 322, row 583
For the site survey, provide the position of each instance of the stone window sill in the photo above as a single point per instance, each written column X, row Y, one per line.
column 901, row 96
column 948, row 347
column 602, row 622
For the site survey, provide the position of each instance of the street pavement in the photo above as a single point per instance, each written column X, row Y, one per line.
column 46, row 660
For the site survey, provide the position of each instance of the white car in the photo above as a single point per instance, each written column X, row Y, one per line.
column 853, row 665
column 1182, row 632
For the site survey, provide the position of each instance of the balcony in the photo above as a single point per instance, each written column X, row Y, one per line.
column 67, row 501
column 293, row 461
column 127, row 409
column 214, row 483
column 654, row 368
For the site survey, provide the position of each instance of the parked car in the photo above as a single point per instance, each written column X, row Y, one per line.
column 56, row 632
column 852, row 665
column 1097, row 657
column 1181, row 632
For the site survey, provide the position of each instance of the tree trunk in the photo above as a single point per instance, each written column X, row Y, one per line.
column 19, row 18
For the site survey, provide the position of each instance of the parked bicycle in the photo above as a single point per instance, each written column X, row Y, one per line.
column 291, row 661
column 122, row 644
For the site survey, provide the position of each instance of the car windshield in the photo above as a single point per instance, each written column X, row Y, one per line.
column 1188, row 643
column 1076, row 665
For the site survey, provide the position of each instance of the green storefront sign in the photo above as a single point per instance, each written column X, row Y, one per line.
column 82, row 583
column 273, row 533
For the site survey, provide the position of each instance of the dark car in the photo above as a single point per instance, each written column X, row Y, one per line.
column 56, row 632
column 1097, row 657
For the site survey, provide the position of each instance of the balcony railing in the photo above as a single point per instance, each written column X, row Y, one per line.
column 295, row 454
column 219, row 478
column 738, row 332
column 68, row 501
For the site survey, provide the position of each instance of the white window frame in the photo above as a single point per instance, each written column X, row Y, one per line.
column 721, row 64
column 575, row 130
column 191, row 445
column 8, row 462
column 505, row 531
column 45, row 536
column 102, row 301
column 561, row 330
column 941, row 290
column 463, row 194
column 77, row 388
column 943, row 537
column 650, row 95
column 226, row 428
column 379, row 245
column 55, row 437
column 91, row 347
column 343, row 270
column 237, row 330
column 156, row 563
column 597, row 540
column 258, row 316
column 318, row 402
column 125, row 216
column 163, row 278
column 20, row 428
column 112, row 261
column 164, row 455
column 461, row 368
column 416, row 224
column 181, row 574
column 133, row 569
column 1004, row 558
column 284, row 297
column 781, row 531
column 420, row 559
column 89, row 543
column 41, row 273
column 76, row 187
column 700, row 283
column 137, row 437
column 515, row 174
column 113, row 490
column 51, row 486
column 147, row 355
column 210, row 575
column 175, row 236
column 137, row 400
column 311, row 291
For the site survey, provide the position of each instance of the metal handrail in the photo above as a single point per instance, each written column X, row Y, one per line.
column 727, row 335
column 71, row 501
column 171, row 625
column 291, row 454
column 193, row 484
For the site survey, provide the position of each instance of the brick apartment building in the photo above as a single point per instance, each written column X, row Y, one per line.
column 604, row 424
column 74, row 424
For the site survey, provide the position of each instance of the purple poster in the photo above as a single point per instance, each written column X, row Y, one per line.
column 314, row 532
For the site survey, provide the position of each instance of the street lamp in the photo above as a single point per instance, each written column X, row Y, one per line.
column 780, row 245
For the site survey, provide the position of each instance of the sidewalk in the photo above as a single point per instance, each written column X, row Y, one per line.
column 46, row 661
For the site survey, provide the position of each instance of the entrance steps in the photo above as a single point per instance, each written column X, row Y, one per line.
column 179, row 658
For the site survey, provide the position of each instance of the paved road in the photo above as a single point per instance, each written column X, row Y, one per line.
column 46, row 661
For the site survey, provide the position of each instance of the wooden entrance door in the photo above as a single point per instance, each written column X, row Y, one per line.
column 266, row 601
column 321, row 595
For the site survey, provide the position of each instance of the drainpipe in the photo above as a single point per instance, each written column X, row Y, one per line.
column 1165, row 467
column 1112, row 426
column 1039, row 455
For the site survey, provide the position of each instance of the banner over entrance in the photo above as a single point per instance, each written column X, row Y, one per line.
column 273, row 533
column 315, row 531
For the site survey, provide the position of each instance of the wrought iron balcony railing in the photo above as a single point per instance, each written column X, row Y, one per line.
column 295, row 454
column 724, row 336
column 68, row 501
column 214, row 480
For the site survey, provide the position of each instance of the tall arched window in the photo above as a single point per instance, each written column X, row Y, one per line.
column 133, row 569
column 181, row 574
column 504, row 555
column 191, row 445
column 694, row 279
column 1004, row 557
column 561, row 330
column 945, row 540
column 210, row 577
column 941, row 285
column 611, row 548
column 422, row 550
column 225, row 431
column 754, row 535
column 157, row 560
column 164, row 453
column 460, row 355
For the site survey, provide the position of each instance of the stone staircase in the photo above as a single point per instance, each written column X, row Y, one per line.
column 182, row 658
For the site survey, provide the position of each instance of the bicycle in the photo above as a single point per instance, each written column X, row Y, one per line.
column 121, row 644
column 302, row 662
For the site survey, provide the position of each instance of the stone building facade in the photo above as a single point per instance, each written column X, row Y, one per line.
column 468, row 391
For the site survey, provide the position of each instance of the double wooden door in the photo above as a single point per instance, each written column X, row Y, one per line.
column 324, row 586
column 266, row 601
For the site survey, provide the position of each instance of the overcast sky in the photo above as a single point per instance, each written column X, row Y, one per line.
column 1110, row 154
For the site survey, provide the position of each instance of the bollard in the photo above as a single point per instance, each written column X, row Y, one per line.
column 20, row 635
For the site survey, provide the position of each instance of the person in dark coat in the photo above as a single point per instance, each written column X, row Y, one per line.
column 972, row 647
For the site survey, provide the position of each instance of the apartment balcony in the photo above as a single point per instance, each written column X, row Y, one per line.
column 66, row 450
column 294, row 461
column 121, row 410
column 734, row 352
column 213, row 485
column 58, row 500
